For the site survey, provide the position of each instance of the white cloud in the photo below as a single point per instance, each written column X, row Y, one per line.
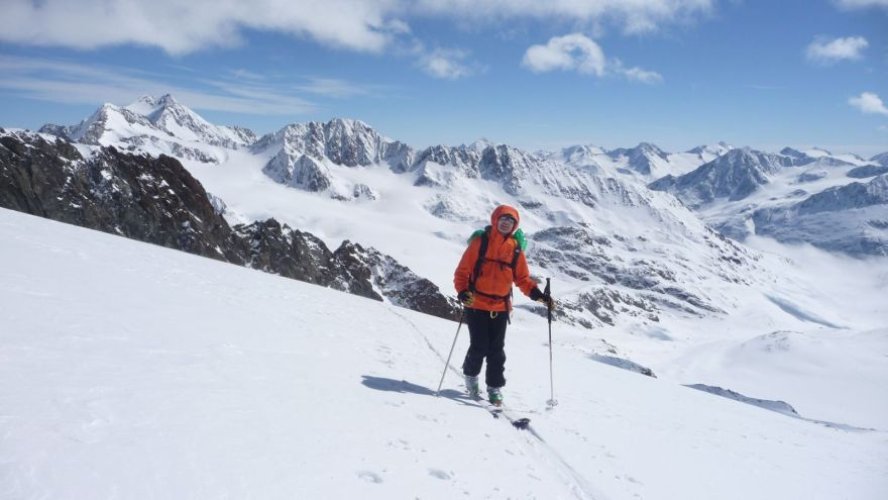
column 569, row 52
column 838, row 49
column 332, row 87
column 635, row 16
column 446, row 63
column 182, row 27
column 635, row 74
column 861, row 4
column 869, row 103
column 179, row 27
column 643, row 76
column 245, row 92
column 577, row 52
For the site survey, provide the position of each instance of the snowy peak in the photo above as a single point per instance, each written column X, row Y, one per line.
column 351, row 142
column 581, row 152
column 796, row 155
column 438, row 165
column 242, row 135
column 734, row 176
column 586, row 157
column 305, row 155
column 106, row 126
column 881, row 159
column 341, row 141
column 156, row 126
column 646, row 159
column 480, row 145
column 181, row 122
column 712, row 150
column 149, row 105
column 817, row 152
column 750, row 159
column 643, row 149
column 507, row 164
column 821, row 158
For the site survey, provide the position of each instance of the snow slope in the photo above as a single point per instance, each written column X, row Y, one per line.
column 604, row 239
column 132, row 371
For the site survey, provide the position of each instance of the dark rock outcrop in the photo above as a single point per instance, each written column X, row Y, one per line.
column 149, row 199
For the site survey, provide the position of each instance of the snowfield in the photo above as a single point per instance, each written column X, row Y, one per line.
column 132, row 371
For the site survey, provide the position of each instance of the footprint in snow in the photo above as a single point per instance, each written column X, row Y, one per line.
column 440, row 474
column 370, row 477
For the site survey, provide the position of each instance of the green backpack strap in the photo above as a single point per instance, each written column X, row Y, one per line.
column 520, row 246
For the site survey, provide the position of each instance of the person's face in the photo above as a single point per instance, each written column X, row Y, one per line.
column 505, row 224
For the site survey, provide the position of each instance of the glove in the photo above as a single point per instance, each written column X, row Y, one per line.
column 538, row 296
column 466, row 298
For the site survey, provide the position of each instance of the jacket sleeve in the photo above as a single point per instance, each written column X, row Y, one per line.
column 522, row 276
column 466, row 266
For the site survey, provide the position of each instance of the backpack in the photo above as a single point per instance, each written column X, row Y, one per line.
column 520, row 244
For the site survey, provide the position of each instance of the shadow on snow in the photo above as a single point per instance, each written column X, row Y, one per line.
column 405, row 387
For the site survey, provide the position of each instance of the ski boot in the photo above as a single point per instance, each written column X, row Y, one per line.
column 495, row 396
column 472, row 387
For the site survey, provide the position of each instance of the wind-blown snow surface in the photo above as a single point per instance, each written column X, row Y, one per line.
column 132, row 371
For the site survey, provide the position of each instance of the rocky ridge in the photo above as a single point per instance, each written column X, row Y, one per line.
column 156, row 200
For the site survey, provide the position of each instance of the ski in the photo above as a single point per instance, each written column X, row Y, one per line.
column 501, row 412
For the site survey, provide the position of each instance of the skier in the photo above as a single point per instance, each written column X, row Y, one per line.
column 484, row 286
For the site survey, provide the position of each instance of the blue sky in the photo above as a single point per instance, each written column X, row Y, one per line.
column 678, row 73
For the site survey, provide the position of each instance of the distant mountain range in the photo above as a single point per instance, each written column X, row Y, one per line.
column 838, row 203
column 639, row 232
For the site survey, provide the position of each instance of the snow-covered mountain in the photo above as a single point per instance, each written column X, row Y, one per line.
column 833, row 202
column 181, row 122
column 623, row 256
column 646, row 159
column 709, row 152
column 881, row 159
column 623, row 248
column 306, row 155
column 603, row 218
column 156, row 126
column 852, row 218
column 156, row 200
column 733, row 176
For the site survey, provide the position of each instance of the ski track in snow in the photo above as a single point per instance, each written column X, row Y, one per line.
column 532, row 439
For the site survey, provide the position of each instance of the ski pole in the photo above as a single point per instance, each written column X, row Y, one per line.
column 548, row 293
column 447, row 364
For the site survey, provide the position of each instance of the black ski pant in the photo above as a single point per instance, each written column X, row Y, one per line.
column 487, row 332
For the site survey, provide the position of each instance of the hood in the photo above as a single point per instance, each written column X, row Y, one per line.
column 505, row 210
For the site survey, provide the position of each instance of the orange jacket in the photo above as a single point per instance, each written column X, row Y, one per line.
column 496, row 276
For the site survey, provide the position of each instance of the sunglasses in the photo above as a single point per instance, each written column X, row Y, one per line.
column 507, row 218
